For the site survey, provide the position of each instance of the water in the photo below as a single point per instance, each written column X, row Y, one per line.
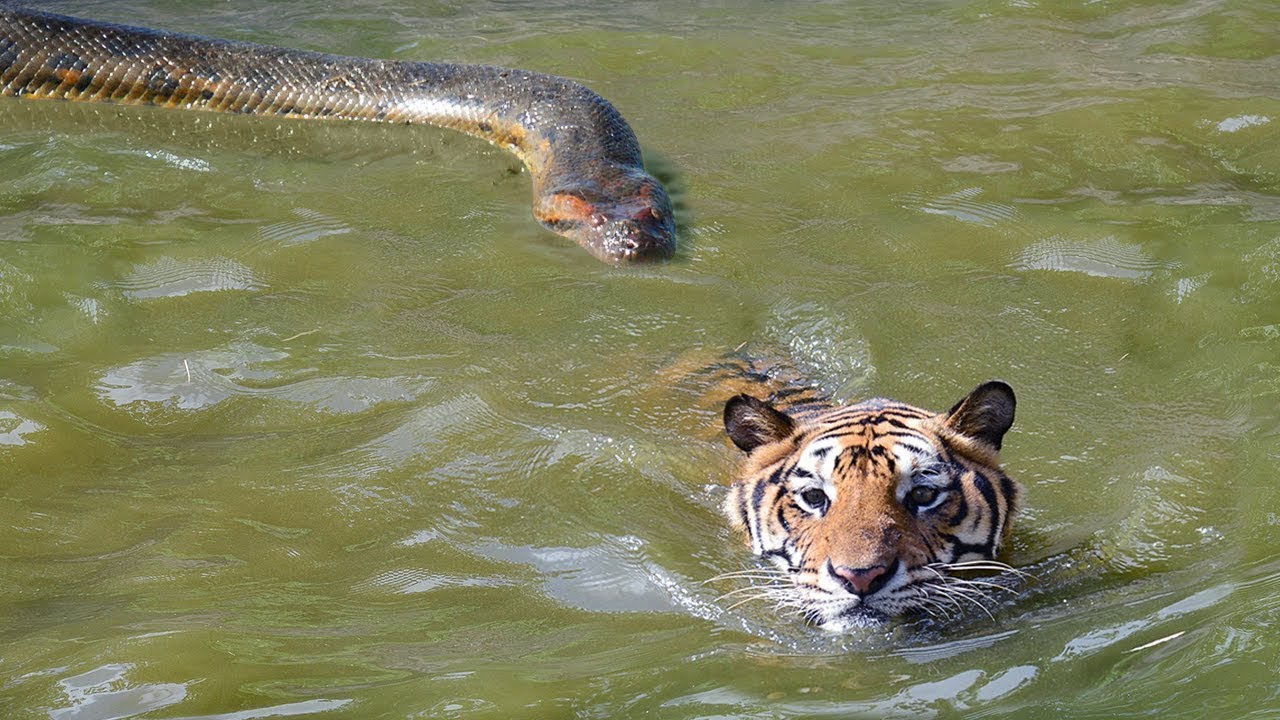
column 313, row 420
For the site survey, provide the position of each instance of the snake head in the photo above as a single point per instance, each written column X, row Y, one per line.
column 632, row 222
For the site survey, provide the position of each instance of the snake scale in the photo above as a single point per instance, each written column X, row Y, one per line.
column 589, row 184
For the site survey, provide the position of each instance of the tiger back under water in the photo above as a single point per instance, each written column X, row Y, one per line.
column 868, row 510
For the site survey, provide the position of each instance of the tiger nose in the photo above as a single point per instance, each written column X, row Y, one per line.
column 861, row 581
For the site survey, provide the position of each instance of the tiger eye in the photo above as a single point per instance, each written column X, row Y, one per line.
column 814, row 498
column 922, row 495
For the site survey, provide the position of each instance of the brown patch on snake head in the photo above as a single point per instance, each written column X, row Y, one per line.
column 562, row 209
column 628, row 221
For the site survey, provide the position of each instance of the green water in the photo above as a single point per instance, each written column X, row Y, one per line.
column 314, row 420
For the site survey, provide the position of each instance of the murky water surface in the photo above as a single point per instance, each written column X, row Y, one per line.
column 313, row 420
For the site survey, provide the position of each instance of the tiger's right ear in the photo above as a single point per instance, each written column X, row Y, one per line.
column 752, row 423
column 986, row 413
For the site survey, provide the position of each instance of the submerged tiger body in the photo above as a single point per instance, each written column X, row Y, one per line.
column 868, row 510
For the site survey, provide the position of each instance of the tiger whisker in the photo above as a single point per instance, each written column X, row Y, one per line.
column 749, row 588
column 947, row 581
column 812, row 616
column 744, row 574
column 966, row 581
column 924, row 594
column 955, row 592
column 760, row 579
column 994, row 565
column 953, row 580
column 752, row 598
column 980, row 606
column 929, row 605
column 937, row 601
column 949, row 585
column 935, row 571
column 751, row 569
column 983, row 562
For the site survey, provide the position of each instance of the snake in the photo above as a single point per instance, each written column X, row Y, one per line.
column 589, row 181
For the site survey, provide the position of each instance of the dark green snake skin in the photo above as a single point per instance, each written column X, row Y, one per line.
column 588, row 181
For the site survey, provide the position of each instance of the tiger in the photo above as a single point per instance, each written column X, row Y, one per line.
column 868, row 510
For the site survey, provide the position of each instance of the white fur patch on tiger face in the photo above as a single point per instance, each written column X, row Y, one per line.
column 912, row 455
column 816, row 469
column 918, row 465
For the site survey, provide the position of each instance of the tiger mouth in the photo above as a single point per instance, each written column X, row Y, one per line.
column 846, row 614
column 857, row 616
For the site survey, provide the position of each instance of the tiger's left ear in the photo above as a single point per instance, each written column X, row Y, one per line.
column 751, row 422
column 984, row 414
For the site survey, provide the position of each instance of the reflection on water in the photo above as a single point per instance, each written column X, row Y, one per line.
column 104, row 693
column 14, row 429
column 302, row 419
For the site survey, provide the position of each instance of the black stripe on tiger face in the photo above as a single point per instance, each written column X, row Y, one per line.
column 961, row 550
column 883, row 425
column 988, row 492
column 752, row 500
column 873, row 409
column 961, row 512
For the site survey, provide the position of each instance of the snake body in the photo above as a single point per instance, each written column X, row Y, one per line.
column 588, row 181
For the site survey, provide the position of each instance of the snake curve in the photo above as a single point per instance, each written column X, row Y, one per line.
column 589, row 184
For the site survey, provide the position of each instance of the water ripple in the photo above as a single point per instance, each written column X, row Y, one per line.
column 195, row 381
column 310, row 225
column 409, row 581
column 14, row 284
column 613, row 576
column 1105, row 257
column 963, row 206
column 173, row 160
column 305, row 707
column 167, row 277
column 832, row 354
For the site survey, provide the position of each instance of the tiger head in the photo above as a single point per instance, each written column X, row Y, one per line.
column 866, row 508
